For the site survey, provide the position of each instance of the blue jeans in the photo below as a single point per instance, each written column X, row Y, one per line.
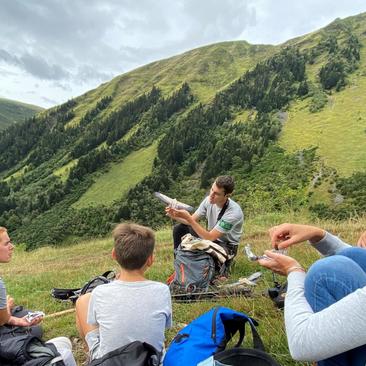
column 329, row 280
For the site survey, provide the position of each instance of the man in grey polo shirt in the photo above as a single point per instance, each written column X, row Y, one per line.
column 224, row 217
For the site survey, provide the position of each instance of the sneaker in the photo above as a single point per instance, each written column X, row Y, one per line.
column 64, row 348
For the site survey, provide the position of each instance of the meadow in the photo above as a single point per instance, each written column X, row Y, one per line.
column 31, row 275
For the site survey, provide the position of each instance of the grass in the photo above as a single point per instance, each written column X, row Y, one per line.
column 64, row 171
column 339, row 130
column 31, row 275
column 19, row 173
column 12, row 111
column 120, row 177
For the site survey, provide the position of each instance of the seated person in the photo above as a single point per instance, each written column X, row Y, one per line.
column 325, row 314
column 131, row 308
column 224, row 216
column 12, row 325
column 7, row 302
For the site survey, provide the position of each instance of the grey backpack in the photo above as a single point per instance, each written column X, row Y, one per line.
column 194, row 271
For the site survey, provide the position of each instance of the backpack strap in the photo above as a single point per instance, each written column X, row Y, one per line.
column 221, row 213
column 257, row 341
column 237, row 324
column 73, row 293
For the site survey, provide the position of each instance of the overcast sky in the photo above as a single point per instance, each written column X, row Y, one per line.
column 53, row 50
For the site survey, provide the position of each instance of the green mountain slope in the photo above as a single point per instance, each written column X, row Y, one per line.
column 119, row 178
column 12, row 111
column 286, row 121
column 206, row 69
column 339, row 129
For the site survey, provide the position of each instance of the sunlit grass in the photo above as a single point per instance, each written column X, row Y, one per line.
column 339, row 130
column 64, row 171
column 120, row 177
column 31, row 275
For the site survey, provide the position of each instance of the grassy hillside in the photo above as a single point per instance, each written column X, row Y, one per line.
column 31, row 275
column 338, row 130
column 206, row 69
column 119, row 178
column 12, row 111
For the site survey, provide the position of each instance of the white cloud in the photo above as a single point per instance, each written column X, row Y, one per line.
column 68, row 47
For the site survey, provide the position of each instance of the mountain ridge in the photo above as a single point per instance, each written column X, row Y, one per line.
column 224, row 108
column 12, row 111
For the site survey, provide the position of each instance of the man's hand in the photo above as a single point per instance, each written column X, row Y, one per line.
column 362, row 240
column 179, row 214
column 284, row 235
column 279, row 263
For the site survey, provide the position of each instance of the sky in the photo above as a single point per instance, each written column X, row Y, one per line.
column 54, row 50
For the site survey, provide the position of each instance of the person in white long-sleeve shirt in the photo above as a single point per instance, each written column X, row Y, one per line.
column 325, row 309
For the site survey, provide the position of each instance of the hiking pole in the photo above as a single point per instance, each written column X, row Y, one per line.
column 59, row 313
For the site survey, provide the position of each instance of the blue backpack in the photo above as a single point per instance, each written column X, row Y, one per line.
column 208, row 335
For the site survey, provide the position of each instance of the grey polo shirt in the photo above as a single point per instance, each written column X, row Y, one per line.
column 231, row 223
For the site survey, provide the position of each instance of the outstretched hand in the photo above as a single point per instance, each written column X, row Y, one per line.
column 362, row 240
column 285, row 235
column 279, row 263
column 180, row 214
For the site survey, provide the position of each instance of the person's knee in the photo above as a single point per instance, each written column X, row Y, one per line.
column 352, row 252
column 332, row 278
column 179, row 226
column 329, row 265
column 326, row 268
column 358, row 255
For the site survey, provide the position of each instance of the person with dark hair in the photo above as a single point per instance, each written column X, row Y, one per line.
column 325, row 314
column 224, row 217
column 131, row 308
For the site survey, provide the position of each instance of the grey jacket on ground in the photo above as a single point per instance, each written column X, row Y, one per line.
column 336, row 329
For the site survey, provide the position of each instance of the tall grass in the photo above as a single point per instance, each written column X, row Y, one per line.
column 31, row 275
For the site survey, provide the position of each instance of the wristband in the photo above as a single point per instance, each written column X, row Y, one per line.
column 295, row 268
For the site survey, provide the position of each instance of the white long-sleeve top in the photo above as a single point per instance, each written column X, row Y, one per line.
column 336, row 329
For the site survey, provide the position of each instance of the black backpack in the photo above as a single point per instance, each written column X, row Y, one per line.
column 72, row 294
column 133, row 354
column 28, row 350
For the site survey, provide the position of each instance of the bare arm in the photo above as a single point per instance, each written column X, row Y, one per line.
column 191, row 220
column 6, row 318
column 203, row 233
